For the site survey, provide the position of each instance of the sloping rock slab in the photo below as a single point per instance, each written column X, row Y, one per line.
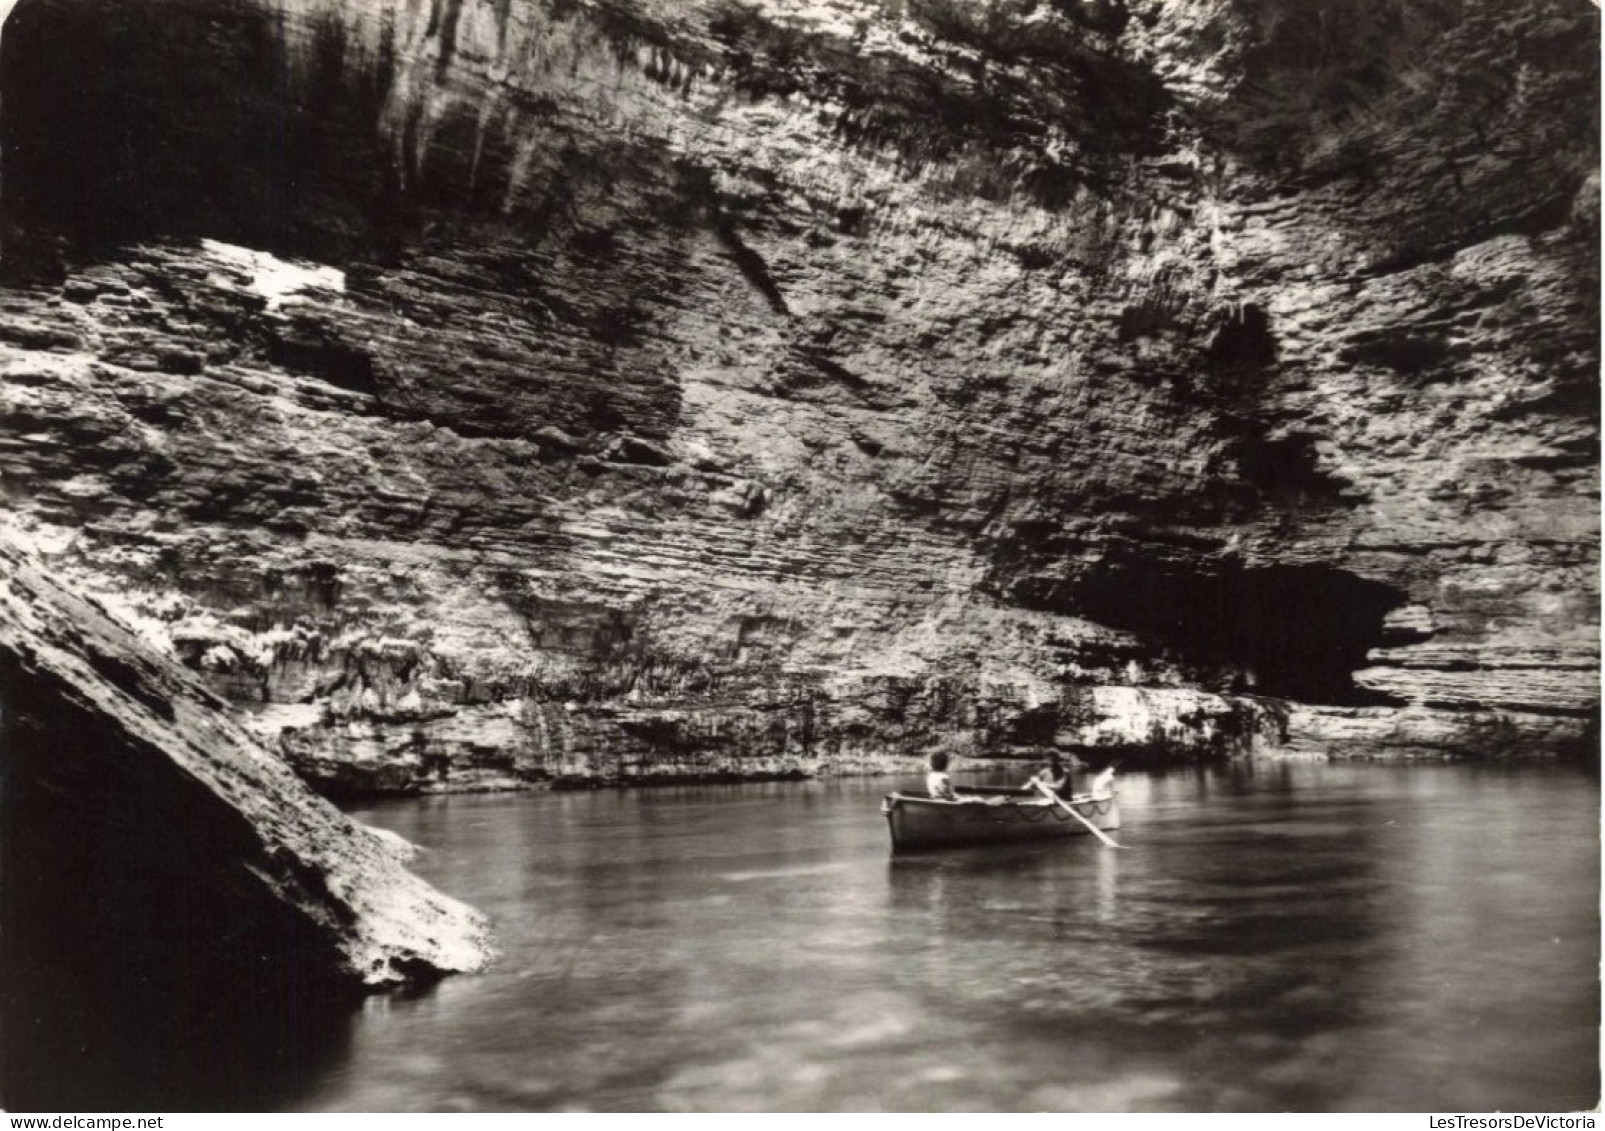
column 161, row 873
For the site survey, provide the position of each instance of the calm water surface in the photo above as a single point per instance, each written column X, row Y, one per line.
column 1306, row 937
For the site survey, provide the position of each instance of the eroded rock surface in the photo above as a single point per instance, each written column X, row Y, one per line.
column 498, row 393
column 167, row 879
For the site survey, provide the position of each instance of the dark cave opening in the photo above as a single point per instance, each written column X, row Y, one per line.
column 1301, row 630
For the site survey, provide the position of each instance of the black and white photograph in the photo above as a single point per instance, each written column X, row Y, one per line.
column 771, row 556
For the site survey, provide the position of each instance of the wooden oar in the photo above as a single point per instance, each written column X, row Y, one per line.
column 1046, row 790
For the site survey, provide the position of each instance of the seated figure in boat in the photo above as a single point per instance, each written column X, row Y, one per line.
column 937, row 783
column 1055, row 775
column 1103, row 785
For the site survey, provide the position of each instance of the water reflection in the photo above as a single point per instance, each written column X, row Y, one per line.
column 1299, row 937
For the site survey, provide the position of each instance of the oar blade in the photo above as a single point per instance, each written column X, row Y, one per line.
column 1046, row 791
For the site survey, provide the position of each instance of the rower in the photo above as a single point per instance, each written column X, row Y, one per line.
column 1055, row 775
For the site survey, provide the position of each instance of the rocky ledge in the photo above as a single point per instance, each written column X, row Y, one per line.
column 166, row 877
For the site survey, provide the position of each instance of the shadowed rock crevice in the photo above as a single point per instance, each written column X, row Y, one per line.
column 1286, row 470
column 304, row 350
column 747, row 261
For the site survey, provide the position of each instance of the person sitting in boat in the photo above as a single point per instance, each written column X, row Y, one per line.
column 1104, row 784
column 937, row 783
column 940, row 786
column 1055, row 775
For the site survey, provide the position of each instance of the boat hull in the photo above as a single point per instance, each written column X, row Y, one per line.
column 924, row 822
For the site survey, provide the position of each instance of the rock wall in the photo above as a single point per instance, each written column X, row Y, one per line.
column 496, row 392
column 176, row 907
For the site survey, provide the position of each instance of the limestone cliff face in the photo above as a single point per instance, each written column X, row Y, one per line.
column 496, row 392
